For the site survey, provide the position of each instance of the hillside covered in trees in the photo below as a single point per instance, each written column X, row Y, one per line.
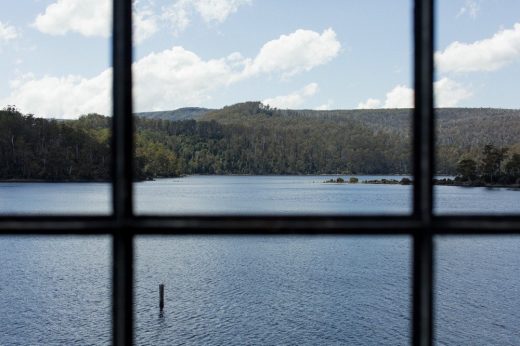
column 248, row 138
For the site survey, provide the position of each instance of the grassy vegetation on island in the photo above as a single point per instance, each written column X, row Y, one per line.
column 384, row 181
column 496, row 169
column 249, row 138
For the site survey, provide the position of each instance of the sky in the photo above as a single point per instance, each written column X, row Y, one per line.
column 55, row 55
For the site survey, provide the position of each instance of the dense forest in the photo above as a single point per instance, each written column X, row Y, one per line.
column 248, row 138
column 496, row 167
column 35, row 148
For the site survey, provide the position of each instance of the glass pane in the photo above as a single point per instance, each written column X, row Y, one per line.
column 300, row 117
column 478, row 109
column 273, row 290
column 55, row 290
column 55, row 107
column 477, row 290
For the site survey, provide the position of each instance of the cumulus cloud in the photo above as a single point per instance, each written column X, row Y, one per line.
column 179, row 13
column 169, row 79
column 485, row 55
column 178, row 16
column 89, row 18
column 218, row 10
column 300, row 51
column 470, row 8
column 325, row 107
column 369, row 104
column 293, row 100
column 177, row 77
column 448, row 93
column 61, row 97
column 400, row 96
column 7, row 32
column 92, row 19
column 145, row 21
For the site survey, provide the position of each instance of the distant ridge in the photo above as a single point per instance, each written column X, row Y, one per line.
column 251, row 138
column 186, row 113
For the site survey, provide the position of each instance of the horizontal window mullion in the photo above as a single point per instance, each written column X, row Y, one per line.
column 456, row 224
column 57, row 225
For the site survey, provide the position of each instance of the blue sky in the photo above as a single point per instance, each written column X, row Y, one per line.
column 314, row 54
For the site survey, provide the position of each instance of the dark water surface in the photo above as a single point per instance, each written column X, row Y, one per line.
column 478, row 290
column 55, row 290
column 256, row 290
column 271, row 291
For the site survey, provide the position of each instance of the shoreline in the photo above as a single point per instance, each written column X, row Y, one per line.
column 383, row 181
column 41, row 181
column 16, row 180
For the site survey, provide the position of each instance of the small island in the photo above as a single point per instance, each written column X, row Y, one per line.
column 403, row 181
column 384, row 181
column 340, row 180
column 495, row 169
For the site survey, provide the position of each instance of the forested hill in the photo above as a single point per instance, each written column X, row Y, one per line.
column 472, row 126
column 460, row 131
column 467, row 126
column 178, row 114
column 247, row 138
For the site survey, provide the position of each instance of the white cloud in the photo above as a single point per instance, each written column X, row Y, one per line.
column 400, row 96
column 61, row 97
column 326, row 106
column 448, row 93
column 177, row 77
column 297, row 52
column 179, row 13
column 218, row 10
column 7, row 32
column 89, row 18
column 145, row 21
column 470, row 8
column 92, row 18
column 293, row 100
column 166, row 80
column 485, row 55
column 169, row 79
column 369, row 104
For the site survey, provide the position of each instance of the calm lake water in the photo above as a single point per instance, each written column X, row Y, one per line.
column 251, row 195
column 256, row 290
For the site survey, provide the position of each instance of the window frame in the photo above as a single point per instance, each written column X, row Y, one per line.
column 123, row 226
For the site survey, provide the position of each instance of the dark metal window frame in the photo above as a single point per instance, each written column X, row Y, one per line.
column 422, row 225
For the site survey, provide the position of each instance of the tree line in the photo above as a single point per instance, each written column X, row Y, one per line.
column 496, row 167
column 247, row 138
column 41, row 149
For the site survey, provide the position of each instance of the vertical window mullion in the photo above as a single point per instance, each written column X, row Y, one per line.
column 122, row 174
column 422, row 321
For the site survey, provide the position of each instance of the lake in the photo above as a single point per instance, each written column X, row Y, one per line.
column 281, row 195
column 237, row 290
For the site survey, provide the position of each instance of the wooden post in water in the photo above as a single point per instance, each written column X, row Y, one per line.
column 161, row 297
